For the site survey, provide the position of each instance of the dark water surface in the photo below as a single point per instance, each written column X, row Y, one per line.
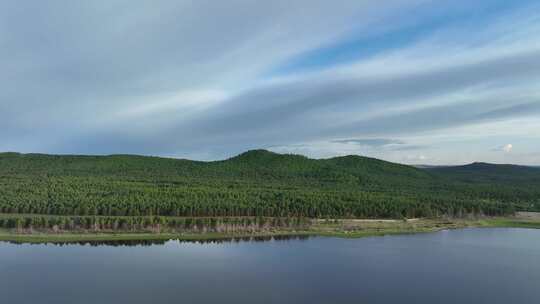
column 462, row 266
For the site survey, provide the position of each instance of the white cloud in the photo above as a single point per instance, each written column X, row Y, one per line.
column 507, row 148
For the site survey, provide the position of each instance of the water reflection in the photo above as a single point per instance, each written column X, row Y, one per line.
column 143, row 243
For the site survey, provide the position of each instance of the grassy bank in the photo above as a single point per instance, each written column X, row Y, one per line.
column 347, row 228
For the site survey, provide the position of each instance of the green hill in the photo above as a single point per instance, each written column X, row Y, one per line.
column 258, row 183
column 484, row 172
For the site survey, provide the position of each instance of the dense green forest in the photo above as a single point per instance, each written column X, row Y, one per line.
column 257, row 183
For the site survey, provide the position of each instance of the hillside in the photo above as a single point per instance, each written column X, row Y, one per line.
column 258, row 183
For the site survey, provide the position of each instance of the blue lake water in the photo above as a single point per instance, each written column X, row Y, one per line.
column 461, row 266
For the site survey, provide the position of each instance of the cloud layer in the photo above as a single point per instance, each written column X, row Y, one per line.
column 209, row 79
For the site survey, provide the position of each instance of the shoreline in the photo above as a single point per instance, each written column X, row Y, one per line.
column 344, row 228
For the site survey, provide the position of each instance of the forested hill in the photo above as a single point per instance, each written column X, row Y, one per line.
column 484, row 172
column 258, row 183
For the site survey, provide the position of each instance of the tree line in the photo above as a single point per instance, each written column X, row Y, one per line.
column 149, row 223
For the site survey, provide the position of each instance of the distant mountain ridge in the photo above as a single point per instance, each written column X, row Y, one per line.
column 266, row 155
column 480, row 171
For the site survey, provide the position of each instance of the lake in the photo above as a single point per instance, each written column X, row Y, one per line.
column 460, row 266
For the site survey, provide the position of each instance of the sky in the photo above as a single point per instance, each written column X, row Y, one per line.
column 416, row 81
